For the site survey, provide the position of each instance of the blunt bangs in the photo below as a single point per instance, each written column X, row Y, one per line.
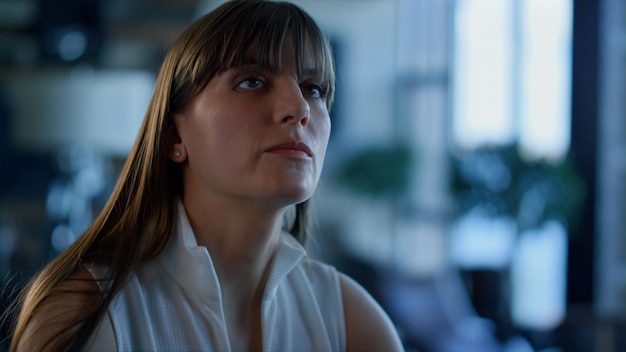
column 227, row 37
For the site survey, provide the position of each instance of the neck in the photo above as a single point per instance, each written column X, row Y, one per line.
column 241, row 238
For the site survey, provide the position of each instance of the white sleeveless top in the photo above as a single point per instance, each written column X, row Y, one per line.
column 174, row 303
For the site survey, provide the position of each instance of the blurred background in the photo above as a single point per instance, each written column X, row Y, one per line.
column 475, row 177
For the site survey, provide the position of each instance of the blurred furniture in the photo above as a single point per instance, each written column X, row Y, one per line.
column 434, row 313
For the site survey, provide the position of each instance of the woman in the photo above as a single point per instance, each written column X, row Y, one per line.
column 200, row 244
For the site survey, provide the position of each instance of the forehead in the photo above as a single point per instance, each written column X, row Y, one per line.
column 303, row 57
column 272, row 50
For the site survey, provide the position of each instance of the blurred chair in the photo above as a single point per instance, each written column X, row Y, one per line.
column 435, row 314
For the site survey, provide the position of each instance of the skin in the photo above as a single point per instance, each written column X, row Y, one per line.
column 236, row 208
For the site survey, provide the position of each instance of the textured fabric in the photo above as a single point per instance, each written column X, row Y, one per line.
column 174, row 303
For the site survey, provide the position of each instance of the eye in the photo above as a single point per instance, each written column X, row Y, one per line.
column 251, row 83
column 313, row 90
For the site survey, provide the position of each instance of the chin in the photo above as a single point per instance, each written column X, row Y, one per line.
column 296, row 195
column 296, row 189
column 297, row 198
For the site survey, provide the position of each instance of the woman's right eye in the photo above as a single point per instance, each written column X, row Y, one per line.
column 251, row 83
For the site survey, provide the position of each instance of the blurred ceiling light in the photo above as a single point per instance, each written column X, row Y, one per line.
column 72, row 45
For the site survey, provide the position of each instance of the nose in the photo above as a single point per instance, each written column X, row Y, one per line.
column 291, row 106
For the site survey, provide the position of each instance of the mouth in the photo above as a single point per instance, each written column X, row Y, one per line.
column 291, row 149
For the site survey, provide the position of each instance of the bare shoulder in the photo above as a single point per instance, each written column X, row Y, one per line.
column 55, row 322
column 368, row 327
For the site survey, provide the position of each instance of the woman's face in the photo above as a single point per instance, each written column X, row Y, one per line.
column 256, row 135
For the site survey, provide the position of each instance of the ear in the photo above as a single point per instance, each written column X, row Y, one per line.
column 176, row 150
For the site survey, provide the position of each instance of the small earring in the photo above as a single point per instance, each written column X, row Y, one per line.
column 177, row 153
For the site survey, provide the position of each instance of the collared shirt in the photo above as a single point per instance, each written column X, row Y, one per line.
column 174, row 303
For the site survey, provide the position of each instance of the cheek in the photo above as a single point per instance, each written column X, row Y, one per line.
column 323, row 134
column 323, row 131
column 225, row 132
column 327, row 128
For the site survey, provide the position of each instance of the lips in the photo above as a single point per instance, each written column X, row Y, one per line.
column 291, row 148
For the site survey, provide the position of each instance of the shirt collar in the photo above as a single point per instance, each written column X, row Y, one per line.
column 191, row 266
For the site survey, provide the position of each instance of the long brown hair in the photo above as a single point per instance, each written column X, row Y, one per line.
column 136, row 222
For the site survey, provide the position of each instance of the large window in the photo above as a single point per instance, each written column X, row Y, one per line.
column 511, row 85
